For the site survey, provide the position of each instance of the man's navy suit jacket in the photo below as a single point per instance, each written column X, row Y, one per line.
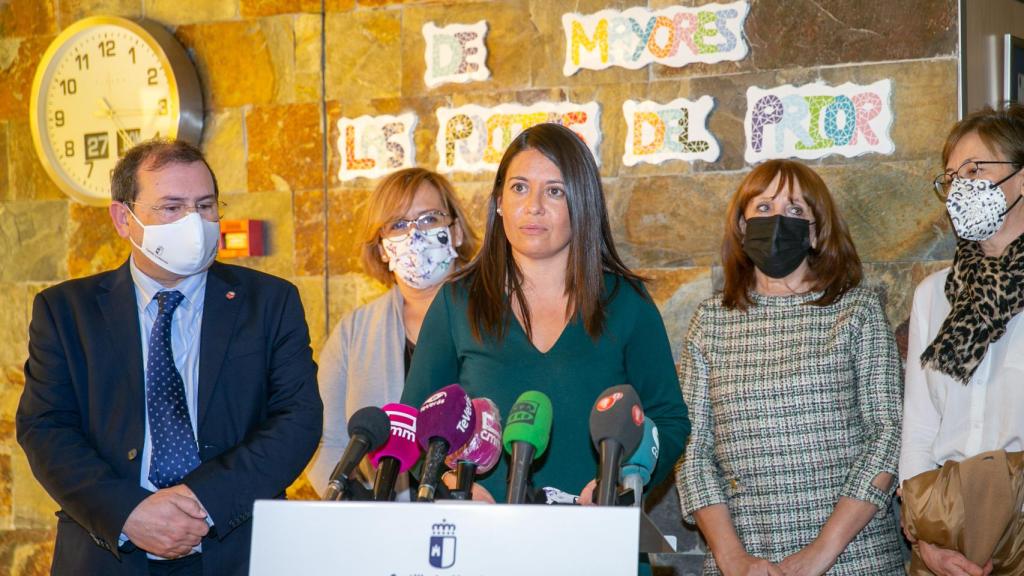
column 81, row 416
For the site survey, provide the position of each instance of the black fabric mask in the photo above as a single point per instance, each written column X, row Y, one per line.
column 777, row 244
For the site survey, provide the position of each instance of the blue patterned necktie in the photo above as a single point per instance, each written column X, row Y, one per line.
column 174, row 452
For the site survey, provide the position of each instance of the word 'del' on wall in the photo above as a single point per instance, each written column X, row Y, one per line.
column 473, row 138
column 673, row 36
column 817, row 120
column 372, row 146
column 455, row 53
column 677, row 130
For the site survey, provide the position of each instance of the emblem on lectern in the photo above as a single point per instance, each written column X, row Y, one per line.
column 442, row 545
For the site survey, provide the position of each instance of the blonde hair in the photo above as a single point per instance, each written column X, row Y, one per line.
column 389, row 201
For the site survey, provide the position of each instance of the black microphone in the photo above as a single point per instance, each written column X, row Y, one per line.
column 368, row 429
column 616, row 428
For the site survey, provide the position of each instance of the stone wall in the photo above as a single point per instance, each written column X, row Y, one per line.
column 267, row 95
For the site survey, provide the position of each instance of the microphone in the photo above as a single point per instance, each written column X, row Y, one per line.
column 399, row 454
column 636, row 472
column 616, row 428
column 481, row 452
column 444, row 425
column 368, row 430
column 527, row 432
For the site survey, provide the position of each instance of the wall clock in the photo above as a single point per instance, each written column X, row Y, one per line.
column 104, row 84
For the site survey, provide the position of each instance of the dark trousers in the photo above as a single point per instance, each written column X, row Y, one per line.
column 191, row 565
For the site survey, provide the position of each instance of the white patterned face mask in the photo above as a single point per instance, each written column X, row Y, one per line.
column 977, row 208
column 421, row 259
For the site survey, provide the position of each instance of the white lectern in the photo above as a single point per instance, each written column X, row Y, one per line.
column 442, row 539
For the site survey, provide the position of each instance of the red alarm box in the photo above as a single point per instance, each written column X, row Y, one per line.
column 241, row 238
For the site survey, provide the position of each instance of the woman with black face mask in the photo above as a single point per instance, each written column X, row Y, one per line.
column 793, row 383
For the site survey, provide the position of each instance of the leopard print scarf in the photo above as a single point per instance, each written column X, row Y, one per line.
column 985, row 294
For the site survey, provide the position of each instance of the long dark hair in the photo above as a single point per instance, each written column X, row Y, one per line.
column 493, row 274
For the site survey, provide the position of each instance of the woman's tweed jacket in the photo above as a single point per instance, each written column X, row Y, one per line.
column 793, row 405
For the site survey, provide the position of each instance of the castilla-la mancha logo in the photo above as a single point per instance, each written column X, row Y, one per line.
column 442, row 545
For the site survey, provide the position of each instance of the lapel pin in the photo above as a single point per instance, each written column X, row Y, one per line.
column 230, row 295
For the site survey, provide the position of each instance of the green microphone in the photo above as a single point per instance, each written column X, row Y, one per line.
column 526, row 436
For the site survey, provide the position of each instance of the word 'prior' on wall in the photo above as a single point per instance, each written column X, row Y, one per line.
column 673, row 36
column 817, row 120
column 473, row 138
column 455, row 54
column 677, row 130
column 373, row 146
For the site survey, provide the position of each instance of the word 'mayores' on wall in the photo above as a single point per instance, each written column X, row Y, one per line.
column 817, row 120
column 473, row 138
column 674, row 36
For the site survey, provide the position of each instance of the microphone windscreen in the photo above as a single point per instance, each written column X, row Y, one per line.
column 618, row 415
column 484, row 446
column 529, row 421
column 447, row 414
column 372, row 423
column 646, row 456
column 401, row 444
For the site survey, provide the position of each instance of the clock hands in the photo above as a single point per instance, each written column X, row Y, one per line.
column 113, row 115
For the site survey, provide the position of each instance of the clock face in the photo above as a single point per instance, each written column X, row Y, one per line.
column 104, row 85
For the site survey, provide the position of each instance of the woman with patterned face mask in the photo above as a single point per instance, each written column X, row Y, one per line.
column 964, row 401
column 793, row 383
column 415, row 235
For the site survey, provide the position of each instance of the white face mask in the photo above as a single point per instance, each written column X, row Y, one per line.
column 421, row 259
column 977, row 208
column 184, row 247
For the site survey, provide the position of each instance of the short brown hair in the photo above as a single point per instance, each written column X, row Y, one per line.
column 834, row 262
column 1000, row 129
column 151, row 155
column 390, row 199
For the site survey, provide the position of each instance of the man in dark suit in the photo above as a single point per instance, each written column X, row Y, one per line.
column 162, row 398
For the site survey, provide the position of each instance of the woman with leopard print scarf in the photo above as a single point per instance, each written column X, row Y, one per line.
column 964, row 399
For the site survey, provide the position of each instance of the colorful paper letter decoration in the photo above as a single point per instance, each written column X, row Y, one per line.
column 473, row 138
column 455, row 53
column 673, row 36
column 372, row 146
column 674, row 131
column 817, row 120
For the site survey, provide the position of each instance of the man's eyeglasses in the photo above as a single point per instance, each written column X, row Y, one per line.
column 969, row 170
column 173, row 211
column 425, row 221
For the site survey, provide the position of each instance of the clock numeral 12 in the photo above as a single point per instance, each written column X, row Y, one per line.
column 107, row 48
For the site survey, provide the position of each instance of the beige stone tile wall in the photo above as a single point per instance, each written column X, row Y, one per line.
column 271, row 110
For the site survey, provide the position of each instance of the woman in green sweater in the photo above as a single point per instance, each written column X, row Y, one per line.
column 548, row 305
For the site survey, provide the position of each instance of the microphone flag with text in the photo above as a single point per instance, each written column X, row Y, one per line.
column 527, row 432
column 616, row 428
column 481, row 452
column 399, row 453
column 368, row 429
column 444, row 425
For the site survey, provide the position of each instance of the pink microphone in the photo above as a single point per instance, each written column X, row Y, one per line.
column 481, row 452
column 399, row 454
column 444, row 425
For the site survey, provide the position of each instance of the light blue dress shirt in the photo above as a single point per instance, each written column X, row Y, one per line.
column 186, row 325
